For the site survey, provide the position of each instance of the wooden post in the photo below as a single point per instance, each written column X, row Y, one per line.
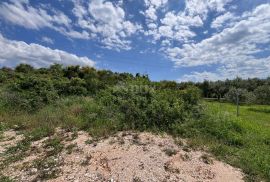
column 237, row 103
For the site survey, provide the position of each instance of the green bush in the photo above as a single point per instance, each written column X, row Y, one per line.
column 29, row 93
column 24, row 68
column 145, row 107
column 263, row 94
column 243, row 95
column 3, row 76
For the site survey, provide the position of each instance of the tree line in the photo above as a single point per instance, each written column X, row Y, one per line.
column 250, row 91
column 76, row 80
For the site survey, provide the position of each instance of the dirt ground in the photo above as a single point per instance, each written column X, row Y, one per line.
column 126, row 156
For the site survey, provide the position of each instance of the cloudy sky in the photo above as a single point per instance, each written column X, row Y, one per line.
column 168, row 39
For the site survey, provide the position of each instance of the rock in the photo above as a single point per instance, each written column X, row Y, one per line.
column 71, row 177
column 33, row 171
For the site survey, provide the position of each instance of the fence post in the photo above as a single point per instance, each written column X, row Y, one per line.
column 237, row 103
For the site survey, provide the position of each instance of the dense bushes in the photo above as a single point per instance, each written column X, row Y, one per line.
column 263, row 94
column 29, row 93
column 75, row 80
column 151, row 108
column 138, row 102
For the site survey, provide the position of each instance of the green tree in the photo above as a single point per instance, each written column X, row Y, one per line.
column 263, row 94
column 24, row 68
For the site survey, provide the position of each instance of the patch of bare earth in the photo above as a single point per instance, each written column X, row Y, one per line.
column 127, row 156
column 9, row 138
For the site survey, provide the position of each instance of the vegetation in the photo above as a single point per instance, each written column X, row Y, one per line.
column 36, row 101
column 241, row 141
column 251, row 91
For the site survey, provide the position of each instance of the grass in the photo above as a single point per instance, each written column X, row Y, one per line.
column 241, row 141
column 70, row 113
column 5, row 179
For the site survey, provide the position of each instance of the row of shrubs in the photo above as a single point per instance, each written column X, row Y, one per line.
column 139, row 104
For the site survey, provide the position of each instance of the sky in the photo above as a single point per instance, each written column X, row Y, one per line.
column 180, row 40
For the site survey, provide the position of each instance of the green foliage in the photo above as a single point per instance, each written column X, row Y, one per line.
column 144, row 107
column 5, row 179
column 41, row 132
column 243, row 95
column 253, row 91
column 263, row 94
column 30, row 93
column 240, row 141
column 3, row 76
column 55, row 144
column 24, row 68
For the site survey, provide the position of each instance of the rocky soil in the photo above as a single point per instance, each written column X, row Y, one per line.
column 126, row 156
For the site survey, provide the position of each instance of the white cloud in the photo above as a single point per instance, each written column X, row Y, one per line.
column 202, row 7
column 234, row 49
column 47, row 40
column 178, row 26
column 99, row 19
column 221, row 20
column 152, row 8
column 199, row 77
column 15, row 52
column 107, row 20
column 23, row 14
column 155, row 3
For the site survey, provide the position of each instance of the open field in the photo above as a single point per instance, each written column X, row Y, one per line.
column 243, row 141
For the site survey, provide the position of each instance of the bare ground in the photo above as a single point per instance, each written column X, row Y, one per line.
column 126, row 156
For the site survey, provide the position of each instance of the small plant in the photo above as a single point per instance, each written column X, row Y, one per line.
column 186, row 148
column 5, row 179
column 112, row 141
column 137, row 179
column 136, row 139
column 207, row 159
column 168, row 167
column 73, row 136
column 185, row 157
column 89, row 141
column 55, row 146
column 70, row 148
column 170, row 151
column 48, row 168
column 121, row 141
column 179, row 142
column 86, row 161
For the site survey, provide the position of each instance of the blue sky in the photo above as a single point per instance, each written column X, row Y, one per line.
column 181, row 40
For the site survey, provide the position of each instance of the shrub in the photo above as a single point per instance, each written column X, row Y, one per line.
column 24, row 68
column 150, row 108
column 3, row 76
column 73, row 86
column 263, row 94
column 30, row 93
column 243, row 95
